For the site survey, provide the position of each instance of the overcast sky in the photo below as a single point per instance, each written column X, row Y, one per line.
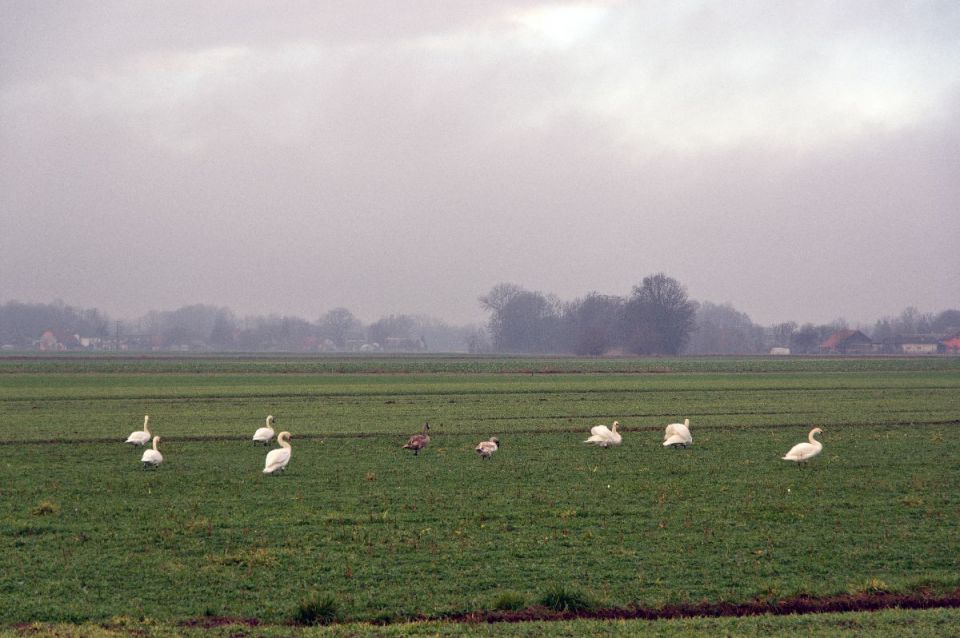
column 800, row 160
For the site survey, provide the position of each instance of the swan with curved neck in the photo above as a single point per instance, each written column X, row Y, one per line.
column 277, row 459
column 152, row 457
column 140, row 437
column 605, row 437
column 678, row 434
column 265, row 434
column 801, row 453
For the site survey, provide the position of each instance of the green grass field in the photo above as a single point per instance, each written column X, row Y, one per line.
column 87, row 535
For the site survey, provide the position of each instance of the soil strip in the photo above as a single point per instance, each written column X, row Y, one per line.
column 798, row 605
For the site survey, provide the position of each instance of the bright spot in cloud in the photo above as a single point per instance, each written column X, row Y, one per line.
column 561, row 25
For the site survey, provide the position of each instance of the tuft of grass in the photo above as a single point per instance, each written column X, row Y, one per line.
column 201, row 524
column 871, row 586
column 317, row 610
column 510, row 601
column 45, row 508
column 383, row 618
column 912, row 500
column 559, row 598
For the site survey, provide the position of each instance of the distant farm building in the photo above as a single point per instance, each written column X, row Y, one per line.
column 848, row 342
column 780, row 351
column 404, row 344
column 49, row 341
column 952, row 345
column 919, row 344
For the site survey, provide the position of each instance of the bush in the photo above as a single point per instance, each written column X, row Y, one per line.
column 870, row 586
column 509, row 601
column 317, row 610
column 559, row 598
column 45, row 508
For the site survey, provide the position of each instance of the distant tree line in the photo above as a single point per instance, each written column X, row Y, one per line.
column 210, row 328
column 659, row 318
column 656, row 318
column 22, row 324
column 913, row 322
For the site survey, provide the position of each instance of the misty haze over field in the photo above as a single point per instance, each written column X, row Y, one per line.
column 799, row 160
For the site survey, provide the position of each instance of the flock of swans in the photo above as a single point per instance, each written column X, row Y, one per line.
column 275, row 462
column 678, row 435
column 675, row 435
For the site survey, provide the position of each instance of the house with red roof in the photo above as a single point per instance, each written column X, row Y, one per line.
column 952, row 345
column 847, row 342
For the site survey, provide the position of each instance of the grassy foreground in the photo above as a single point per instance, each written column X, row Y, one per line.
column 935, row 623
column 86, row 535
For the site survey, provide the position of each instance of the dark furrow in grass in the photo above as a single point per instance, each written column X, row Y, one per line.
column 462, row 392
column 842, row 603
column 875, row 601
column 471, row 432
column 660, row 415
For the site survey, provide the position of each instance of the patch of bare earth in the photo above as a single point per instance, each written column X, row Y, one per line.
column 874, row 601
column 797, row 605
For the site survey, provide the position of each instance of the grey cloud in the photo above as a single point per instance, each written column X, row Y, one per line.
column 366, row 158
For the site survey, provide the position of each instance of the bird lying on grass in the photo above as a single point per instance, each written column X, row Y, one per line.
column 605, row 437
column 486, row 448
column 678, row 434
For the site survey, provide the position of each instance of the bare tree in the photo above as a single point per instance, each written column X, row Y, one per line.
column 594, row 321
column 782, row 332
column 659, row 317
column 396, row 327
column 722, row 329
column 947, row 322
column 498, row 297
column 522, row 321
column 337, row 325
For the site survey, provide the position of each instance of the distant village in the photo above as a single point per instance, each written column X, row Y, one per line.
column 841, row 342
column 528, row 323
column 854, row 342
column 52, row 342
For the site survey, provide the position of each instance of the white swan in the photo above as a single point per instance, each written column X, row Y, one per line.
column 152, row 458
column 803, row 452
column 678, row 434
column 277, row 459
column 603, row 436
column 265, row 434
column 418, row 441
column 140, row 437
column 486, row 448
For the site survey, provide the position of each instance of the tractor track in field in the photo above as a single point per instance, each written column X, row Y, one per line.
column 842, row 603
column 437, row 433
column 873, row 601
column 798, row 605
column 306, row 395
